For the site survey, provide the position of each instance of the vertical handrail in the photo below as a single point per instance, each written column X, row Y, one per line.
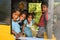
column 50, row 18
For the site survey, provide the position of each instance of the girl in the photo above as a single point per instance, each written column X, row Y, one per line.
column 27, row 24
column 22, row 18
column 15, row 26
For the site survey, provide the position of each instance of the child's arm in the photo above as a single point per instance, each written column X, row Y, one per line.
column 23, row 26
column 17, row 36
column 14, row 32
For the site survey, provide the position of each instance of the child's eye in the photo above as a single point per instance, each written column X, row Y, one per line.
column 43, row 7
column 22, row 16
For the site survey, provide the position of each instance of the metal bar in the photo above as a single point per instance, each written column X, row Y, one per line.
column 50, row 18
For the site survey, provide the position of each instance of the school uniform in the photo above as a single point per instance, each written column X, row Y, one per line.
column 27, row 29
column 15, row 26
column 20, row 24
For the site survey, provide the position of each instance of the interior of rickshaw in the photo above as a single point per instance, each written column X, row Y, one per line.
column 33, row 6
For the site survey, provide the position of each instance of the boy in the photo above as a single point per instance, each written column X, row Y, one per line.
column 43, row 20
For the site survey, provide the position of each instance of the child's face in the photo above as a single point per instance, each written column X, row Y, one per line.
column 16, row 15
column 22, row 17
column 44, row 8
column 21, row 6
column 30, row 18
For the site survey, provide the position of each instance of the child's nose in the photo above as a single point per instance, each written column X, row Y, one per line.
column 16, row 16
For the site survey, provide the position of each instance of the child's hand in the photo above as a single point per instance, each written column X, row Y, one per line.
column 17, row 36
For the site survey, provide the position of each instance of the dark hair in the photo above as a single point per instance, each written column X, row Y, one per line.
column 44, row 3
column 23, row 12
column 13, row 11
column 32, row 14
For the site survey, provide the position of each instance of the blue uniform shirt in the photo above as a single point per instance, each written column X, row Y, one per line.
column 27, row 30
column 16, row 26
column 28, row 25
